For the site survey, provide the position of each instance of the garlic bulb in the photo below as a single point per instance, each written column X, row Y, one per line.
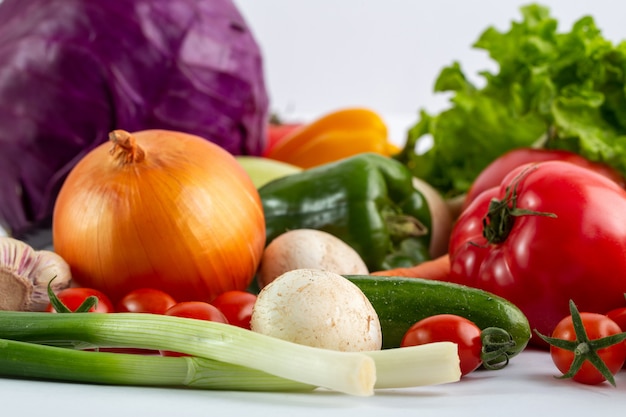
column 25, row 274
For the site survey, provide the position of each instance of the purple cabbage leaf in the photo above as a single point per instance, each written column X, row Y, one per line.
column 73, row 70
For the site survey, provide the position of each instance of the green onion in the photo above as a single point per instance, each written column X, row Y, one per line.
column 351, row 373
column 28, row 360
column 414, row 366
column 347, row 372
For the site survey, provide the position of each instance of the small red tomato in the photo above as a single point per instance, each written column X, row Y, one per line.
column 73, row 297
column 236, row 306
column 145, row 300
column 449, row 328
column 194, row 310
column 277, row 132
column 618, row 315
column 596, row 326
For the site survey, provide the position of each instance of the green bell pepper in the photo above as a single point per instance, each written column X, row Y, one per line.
column 367, row 200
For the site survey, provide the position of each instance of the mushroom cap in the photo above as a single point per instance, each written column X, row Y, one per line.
column 317, row 308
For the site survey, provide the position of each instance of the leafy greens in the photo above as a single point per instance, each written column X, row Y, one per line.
column 556, row 90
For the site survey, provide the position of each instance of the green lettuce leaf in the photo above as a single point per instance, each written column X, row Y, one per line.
column 556, row 90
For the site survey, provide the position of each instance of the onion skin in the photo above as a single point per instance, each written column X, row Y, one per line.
column 184, row 218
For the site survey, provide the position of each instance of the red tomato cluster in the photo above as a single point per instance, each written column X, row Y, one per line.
column 541, row 228
column 598, row 329
column 231, row 307
column 549, row 233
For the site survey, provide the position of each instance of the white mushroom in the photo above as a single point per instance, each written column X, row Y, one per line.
column 317, row 308
column 308, row 248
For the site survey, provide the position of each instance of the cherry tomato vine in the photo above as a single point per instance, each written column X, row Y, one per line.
column 587, row 347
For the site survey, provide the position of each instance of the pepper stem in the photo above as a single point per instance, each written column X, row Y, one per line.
column 401, row 226
column 125, row 148
column 405, row 226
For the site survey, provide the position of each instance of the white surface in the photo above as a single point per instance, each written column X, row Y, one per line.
column 526, row 387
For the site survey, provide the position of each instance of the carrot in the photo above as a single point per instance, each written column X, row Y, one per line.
column 436, row 269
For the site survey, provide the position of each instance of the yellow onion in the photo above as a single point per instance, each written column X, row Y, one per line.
column 160, row 209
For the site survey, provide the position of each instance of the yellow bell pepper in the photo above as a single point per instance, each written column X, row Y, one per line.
column 334, row 136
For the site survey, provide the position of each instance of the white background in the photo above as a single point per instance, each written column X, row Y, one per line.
column 385, row 55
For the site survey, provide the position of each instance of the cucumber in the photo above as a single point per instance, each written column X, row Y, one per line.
column 400, row 302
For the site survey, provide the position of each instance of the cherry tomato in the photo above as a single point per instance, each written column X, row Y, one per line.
column 73, row 297
column 194, row 310
column 618, row 315
column 142, row 300
column 145, row 300
column 236, row 306
column 449, row 328
column 596, row 326
column 276, row 132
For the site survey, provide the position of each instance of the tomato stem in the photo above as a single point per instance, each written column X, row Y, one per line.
column 496, row 343
column 59, row 307
column 582, row 349
column 500, row 217
column 401, row 226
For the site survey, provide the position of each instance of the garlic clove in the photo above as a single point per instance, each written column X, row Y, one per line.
column 25, row 274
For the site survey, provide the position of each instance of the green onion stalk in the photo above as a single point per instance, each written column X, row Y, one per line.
column 28, row 360
column 222, row 356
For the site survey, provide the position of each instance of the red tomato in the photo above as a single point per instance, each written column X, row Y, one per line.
column 449, row 328
column 236, row 306
column 194, row 310
column 73, row 297
column 596, row 326
column 618, row 315
column 145, row 300
column 495, row 172
column 540, row 262
column 276, row 133
column 142, row 300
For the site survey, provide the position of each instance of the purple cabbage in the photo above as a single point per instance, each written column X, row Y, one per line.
column 73, row 70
